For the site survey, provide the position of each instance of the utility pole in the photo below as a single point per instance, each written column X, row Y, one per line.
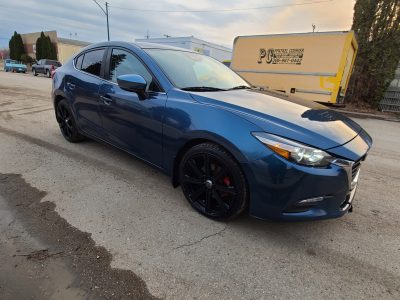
column 108, row 27
column 105, row 11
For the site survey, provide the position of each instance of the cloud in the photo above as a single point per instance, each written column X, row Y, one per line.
column 85, row 18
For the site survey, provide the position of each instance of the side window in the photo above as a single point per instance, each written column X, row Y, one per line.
column 92, row 62
column 123, row 62
column 78, row 62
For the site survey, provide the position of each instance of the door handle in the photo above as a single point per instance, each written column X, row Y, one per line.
column 106, row 99
column 71, row 85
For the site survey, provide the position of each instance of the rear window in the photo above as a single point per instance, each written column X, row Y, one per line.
column 92, row 61
column 53, row 63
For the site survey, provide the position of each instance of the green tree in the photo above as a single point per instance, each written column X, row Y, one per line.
column 377, row 26
column 45, row 48
column 16, row 46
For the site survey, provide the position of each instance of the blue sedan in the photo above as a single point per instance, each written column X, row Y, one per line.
column 228, row 145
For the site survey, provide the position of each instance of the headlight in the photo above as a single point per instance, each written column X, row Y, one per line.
column 294, row 151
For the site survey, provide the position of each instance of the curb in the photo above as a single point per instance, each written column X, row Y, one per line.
column 362, row 115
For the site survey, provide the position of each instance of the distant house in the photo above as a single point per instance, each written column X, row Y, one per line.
column 216, row 51
column 65, row 47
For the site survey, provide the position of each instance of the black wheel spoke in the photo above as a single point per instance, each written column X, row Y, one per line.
column 189, row 179
column 226, row 189
column 223, row 205
column 195, row 168
column 59, row 117
column 208, row 200
column 207, row 166
column 219, row 174
column 197, row 193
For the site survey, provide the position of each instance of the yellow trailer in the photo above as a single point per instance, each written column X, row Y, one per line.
column 314, row 66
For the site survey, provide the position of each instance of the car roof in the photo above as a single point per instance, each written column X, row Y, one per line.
column 141, row 45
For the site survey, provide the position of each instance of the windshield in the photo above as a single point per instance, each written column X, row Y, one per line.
column 192, row 70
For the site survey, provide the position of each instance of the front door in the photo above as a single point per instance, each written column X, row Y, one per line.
column 131, row 123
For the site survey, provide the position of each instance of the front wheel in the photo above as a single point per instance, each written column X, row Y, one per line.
column 48, row 74
column 67, row 123
column 213, row 182
column 34, row 72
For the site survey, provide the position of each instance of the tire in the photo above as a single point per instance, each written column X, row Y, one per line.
column 218, row 191
column 48, row 74
column 34, row 72
column 67, row 123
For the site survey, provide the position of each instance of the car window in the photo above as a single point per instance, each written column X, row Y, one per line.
column 92, row 61
column 188, row 69
column 78, row 62
column 123, row 62
column 53, row 63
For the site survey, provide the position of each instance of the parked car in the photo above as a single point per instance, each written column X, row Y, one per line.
column 227, row 144
column 11, row 65
column 45, row 66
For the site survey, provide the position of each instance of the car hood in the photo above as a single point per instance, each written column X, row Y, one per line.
column 286, row 116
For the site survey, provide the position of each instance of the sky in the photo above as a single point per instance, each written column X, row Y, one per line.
column 83, row 19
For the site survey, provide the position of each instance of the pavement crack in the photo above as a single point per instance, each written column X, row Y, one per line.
column 201, row 239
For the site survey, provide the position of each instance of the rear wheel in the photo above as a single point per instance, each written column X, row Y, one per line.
column 213, row 182
column 48, row 74
column 34, row 72
column 67, row 123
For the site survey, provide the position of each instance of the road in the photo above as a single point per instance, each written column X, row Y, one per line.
column 148, row 228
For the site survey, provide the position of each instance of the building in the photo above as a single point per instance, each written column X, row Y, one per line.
column 218, row 52
column 391, row 98
column 65, row 48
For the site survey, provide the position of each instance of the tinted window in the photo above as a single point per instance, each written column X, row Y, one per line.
column 92, row 62
column 53, row 63
column 78, row 62
column 123, row 62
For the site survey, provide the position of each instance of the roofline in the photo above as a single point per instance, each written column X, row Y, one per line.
column 291, row 34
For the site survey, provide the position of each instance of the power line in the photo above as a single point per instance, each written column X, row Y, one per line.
column 220, row 10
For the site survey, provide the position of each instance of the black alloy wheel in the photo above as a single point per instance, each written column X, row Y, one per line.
column 67, row 123
column 213, row 182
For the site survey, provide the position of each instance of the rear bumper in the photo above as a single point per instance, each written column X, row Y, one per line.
column 281, row 190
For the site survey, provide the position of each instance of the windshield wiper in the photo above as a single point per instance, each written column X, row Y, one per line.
column 240, row 87
column 202, row 89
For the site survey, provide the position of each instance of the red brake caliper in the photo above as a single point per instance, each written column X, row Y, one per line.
column 227, row 181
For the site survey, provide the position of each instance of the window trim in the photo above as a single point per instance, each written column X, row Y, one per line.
column 107, row 67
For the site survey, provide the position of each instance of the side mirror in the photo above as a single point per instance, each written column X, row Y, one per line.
column 133, row 83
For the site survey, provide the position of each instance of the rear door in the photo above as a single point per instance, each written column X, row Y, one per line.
column 129, row 122
column 84, row 85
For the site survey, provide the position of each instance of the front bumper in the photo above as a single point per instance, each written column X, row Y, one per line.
column 280, row 190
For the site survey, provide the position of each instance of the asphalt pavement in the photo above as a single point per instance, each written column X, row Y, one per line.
column 148, row 228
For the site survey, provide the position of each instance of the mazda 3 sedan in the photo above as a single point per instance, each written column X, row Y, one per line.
column 228, row 145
